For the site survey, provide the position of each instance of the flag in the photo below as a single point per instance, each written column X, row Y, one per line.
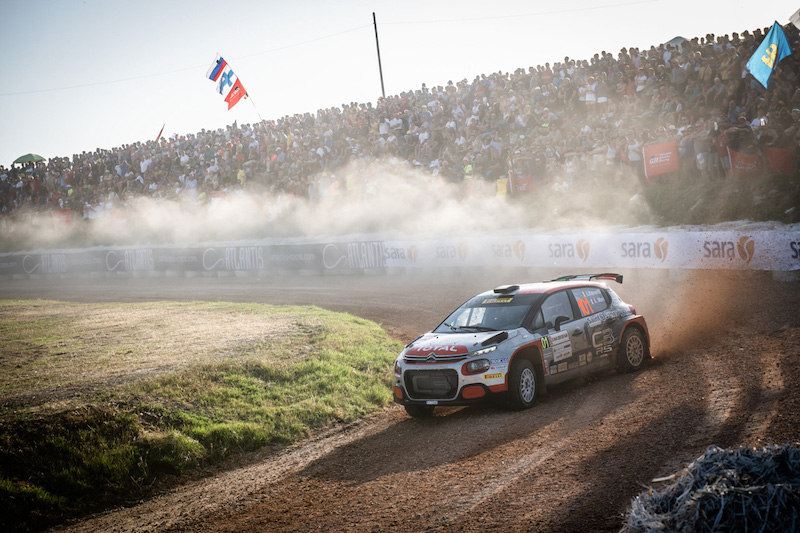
column 795, row 19
column 779, row 160
column 661, row 158
column 743, row 165
column 160, row 132
column 216, row 69
column 773, row 48
column 226, row 80
column 228, row 83
column 235, row 94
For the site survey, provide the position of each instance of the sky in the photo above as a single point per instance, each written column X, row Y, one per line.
column 86, row 74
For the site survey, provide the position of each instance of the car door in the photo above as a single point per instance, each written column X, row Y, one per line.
column 592, row 336
column 557, row 316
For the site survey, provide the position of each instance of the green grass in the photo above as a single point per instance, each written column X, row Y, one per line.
column 63, row 457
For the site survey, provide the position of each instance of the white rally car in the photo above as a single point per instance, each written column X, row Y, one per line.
column 517, row 339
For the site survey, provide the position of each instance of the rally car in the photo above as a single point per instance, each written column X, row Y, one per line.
column 516, row 340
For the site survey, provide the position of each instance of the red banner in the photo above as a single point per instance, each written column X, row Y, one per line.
column 743, row 165
column 779, row 160
column 661, row 158
column 520, row 184
column 62, row 218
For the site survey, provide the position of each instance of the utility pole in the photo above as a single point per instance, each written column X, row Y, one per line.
column 378, row 46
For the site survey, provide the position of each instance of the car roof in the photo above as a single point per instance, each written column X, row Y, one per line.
column 544, row 287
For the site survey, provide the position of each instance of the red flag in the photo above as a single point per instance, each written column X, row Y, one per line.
column 160, row 132
column 743, row 165
column 778, row 160
column 661, row 158
column 236, row 94
column 521, row 184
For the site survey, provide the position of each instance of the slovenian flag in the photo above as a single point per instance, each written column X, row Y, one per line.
column 216, row 69
column 773, row 48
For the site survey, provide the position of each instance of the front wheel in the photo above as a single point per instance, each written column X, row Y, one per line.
column 632, row 351
column 419, row 411
column 523, row 385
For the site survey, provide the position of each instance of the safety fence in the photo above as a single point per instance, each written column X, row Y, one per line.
column 770, row 250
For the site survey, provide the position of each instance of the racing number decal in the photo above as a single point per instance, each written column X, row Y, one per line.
column 586, row 307
column 545, row 343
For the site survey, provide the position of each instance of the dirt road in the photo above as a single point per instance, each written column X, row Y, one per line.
column 726, row 372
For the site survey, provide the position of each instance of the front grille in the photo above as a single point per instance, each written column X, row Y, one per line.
column 434, row 358
column 431, row 384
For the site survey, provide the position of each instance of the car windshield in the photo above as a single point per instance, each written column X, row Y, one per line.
column 488, row 313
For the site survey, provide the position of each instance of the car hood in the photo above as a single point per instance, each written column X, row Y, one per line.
column 456, row 344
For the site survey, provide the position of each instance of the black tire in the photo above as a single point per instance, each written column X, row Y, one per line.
column 524, row 384
column 419, row 411
column 632, row 351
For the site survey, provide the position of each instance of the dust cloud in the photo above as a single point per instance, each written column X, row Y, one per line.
column 372, row 198
column 696, row 309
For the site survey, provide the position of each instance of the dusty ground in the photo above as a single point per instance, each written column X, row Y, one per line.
column 726, row 372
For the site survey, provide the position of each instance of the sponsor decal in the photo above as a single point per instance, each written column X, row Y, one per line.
column 545, row 343
column 603, row 340
column 744, row 249
column 130, row 260
column 176, row 259
column 234, row 258
column 795, row 247
column 747, row 248
column 244, row 258
column 412, row 253
column 493, row 375
column 356, row 255
column 569, row 250
column 645, row 249
column 397, row 254
column 47, row 264
column 463, row 250
column 583, row 250
column 460, row 252
column 509, row 251
column 519, row 250
column 559, row 347
column 562, row 367
column 502, row 361
column 498, row 300
column 447, row 349
column 661, row 248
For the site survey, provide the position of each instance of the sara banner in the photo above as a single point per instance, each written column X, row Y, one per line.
column 721, row 250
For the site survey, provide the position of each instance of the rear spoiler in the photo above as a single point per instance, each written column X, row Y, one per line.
column 590, row 277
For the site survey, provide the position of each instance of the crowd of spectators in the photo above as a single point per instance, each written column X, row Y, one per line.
column 552, row 125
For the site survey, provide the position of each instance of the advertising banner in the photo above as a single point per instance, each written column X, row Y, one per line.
column 721, row 250
column 661, row 158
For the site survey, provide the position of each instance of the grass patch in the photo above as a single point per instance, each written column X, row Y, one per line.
column 102, row 402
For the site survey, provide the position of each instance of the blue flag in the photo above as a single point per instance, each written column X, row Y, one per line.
column 773, row 48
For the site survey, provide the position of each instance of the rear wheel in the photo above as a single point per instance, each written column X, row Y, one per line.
column 419, row 411
column 523, row 385
column 632, row 350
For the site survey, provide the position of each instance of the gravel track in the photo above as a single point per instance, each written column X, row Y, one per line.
column 726, row 371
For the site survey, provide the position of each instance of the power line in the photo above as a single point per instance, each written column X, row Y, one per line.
column 277, row 49
column 145, row 76
column 539, row 14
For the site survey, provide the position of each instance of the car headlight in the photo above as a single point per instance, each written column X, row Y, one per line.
column 481, row 365
column 397, row 370
column 484, row 351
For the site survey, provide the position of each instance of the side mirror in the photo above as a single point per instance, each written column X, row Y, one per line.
column 560, row 320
